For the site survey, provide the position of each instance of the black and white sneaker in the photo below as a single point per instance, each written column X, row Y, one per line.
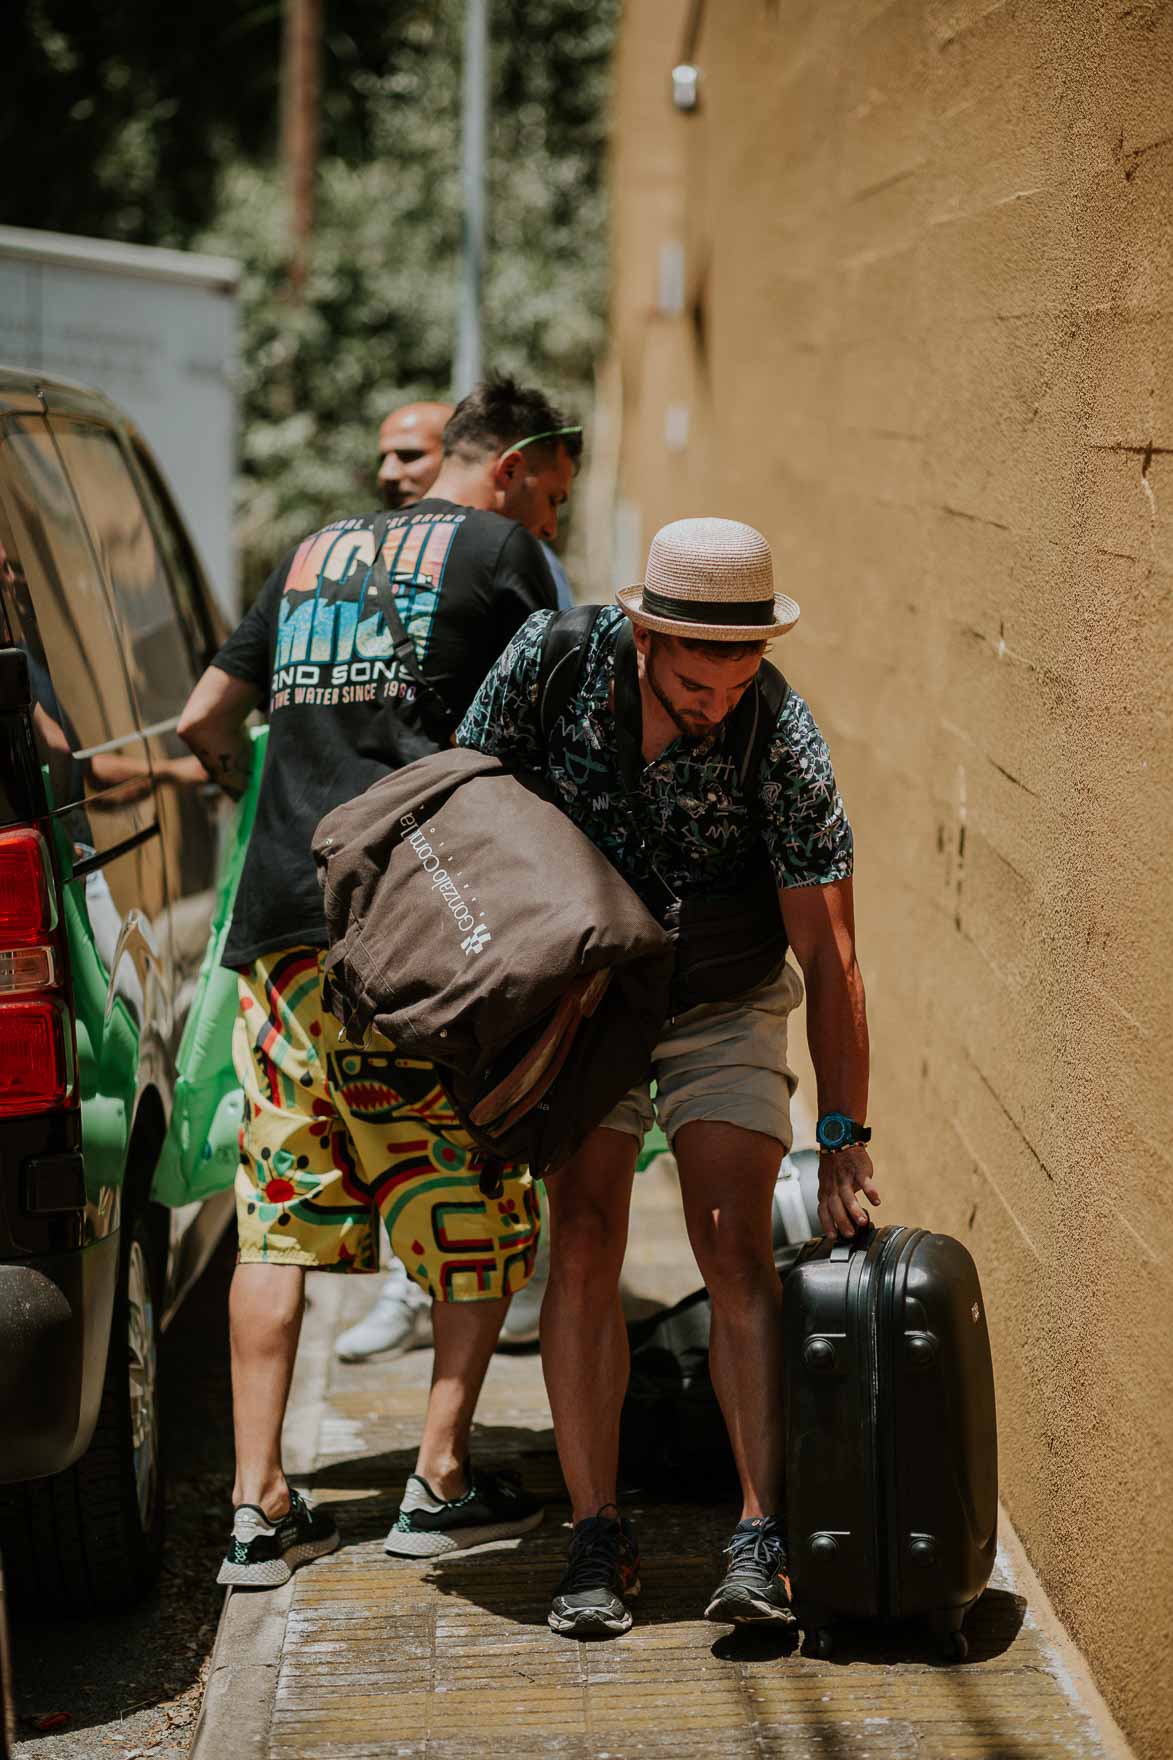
column 493, row 1508
column 755, row 1587
column 602, row 1572
column 264, row 1554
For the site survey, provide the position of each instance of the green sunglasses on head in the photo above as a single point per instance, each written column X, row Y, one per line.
column 550, row 434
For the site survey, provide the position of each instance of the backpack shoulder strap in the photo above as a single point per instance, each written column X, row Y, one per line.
column 770, row 697
column 564, row 650
column 402, row 645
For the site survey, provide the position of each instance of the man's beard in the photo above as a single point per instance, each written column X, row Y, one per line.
column 394, row 498
column 692, row 729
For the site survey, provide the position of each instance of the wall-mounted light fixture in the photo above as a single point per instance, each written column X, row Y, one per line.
column 686, row 80
column 670, row 279
column 686, row 75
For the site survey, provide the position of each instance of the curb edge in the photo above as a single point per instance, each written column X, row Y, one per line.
column 1071, row 1666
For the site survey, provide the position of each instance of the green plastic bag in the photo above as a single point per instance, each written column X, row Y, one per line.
column 200, row 1152
column 655, row 1143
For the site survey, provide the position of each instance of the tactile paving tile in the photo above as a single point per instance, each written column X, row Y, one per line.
column 452, row 1659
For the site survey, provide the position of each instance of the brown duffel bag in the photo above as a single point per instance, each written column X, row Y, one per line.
column 472, row 924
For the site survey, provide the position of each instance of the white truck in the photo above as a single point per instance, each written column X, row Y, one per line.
column 156, row 330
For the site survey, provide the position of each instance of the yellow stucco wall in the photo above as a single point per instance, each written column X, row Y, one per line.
column 926, row 345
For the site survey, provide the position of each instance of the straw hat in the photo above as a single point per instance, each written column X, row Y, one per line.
column 711, row 580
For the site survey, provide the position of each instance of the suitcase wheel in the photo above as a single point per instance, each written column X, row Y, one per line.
column 948, row 1633
column 820, row 1642
column 955, row 1646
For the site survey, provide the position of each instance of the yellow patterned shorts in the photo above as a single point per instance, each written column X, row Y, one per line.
column 336, row 1135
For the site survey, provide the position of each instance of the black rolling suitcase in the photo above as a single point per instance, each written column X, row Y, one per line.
column 891, row 1440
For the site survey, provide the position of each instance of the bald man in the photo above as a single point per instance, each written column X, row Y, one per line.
column 409, row 452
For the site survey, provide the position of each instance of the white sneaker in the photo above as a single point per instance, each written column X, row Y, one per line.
column 525, row 1310
column 399, row 1321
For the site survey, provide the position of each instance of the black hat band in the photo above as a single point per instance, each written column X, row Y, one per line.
column 730, row 611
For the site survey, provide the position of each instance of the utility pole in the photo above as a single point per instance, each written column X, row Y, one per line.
column 474, row 137
column 300, row 78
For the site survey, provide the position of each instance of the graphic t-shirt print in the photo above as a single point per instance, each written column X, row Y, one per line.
column 332, row 645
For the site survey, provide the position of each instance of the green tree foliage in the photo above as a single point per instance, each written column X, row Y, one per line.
column 377, row 321
column 118, row 116
column 160, row 126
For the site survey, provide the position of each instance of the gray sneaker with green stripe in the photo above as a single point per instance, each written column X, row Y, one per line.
column 493, row 1508
column 263, row 1554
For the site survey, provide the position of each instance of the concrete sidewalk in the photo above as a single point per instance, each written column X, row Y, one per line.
column 361, row 1656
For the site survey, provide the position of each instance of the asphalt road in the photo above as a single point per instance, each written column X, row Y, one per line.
column 131, row 1685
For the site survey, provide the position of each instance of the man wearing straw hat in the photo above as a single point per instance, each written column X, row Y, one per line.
column 705, row 780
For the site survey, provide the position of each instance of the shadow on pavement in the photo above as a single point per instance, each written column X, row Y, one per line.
column 756, row 1644
column 140, row 1671
column 517, row 1586
column 991, row 1628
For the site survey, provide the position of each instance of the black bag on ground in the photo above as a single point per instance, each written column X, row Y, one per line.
column 672, row 1436
column 403, row 731
column 891, row 1444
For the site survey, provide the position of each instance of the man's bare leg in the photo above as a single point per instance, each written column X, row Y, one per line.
column 727, row 1177
column 584, row 1339
column 465, row 1336
column 437, row 1515
column 265, row 1308
column 264, row 1313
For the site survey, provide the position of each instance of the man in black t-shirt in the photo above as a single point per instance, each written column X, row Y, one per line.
column 336, row 1135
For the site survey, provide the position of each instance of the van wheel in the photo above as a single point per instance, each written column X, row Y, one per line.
column 92, row 1537
column 7, row 1714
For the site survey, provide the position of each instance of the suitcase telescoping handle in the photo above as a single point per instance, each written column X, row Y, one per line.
column 860, row 1241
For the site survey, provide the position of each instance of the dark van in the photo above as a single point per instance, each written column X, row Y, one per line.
column 108, row 855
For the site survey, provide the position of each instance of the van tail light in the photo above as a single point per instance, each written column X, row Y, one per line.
column 36, row 1032
column 28, row 912
column 36, row 1056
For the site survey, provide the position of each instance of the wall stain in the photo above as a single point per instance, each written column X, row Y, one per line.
column 962, row 812
column 1016, row 780
column 1005, row 1110
column 976, row 519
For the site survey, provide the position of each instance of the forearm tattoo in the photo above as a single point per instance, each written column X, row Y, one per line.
column 228, row 770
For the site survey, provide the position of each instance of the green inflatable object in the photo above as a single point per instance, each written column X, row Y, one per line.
column 200, row 1152
column 655, row 1143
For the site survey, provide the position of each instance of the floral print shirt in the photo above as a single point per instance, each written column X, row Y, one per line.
column 690, row 825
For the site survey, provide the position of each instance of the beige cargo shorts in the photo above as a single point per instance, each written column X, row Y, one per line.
column 723, row 1061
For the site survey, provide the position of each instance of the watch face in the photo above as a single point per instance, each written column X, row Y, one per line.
column 833, row 1130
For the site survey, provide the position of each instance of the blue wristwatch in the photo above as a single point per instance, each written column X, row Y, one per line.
column 836, row 1131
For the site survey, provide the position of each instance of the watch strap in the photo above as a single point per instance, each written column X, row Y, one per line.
column 855, row 1136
